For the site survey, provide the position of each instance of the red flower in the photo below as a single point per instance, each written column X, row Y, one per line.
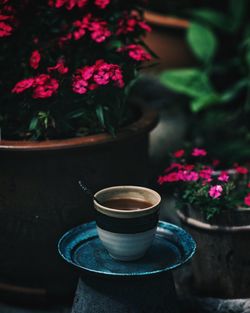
column 102, row 3
column 188, row 175
column 241, row 170
column 70, row 4
column 169, row 178
column 205, row 174
column 35, row 59
column 79, row 86
column 43, row 86
column 247, row 199
column 46, row 87
column 102, row 73
column 23, row 85
column 99, row 31
column 129, row 23
column 179, row 153
column 60, row 67
column 136, row 52
column 5, row 29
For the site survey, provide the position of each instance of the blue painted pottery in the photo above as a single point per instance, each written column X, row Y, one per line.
column 82, row 248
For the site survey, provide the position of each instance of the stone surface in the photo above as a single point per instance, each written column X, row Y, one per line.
column 145, row 295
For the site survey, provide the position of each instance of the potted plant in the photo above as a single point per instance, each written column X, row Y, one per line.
column 66, row 69
column 217, row 87
column 213, row 204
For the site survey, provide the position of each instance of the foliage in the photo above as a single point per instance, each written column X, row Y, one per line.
column 199, row 182
column 219, row 85
column 66, row 66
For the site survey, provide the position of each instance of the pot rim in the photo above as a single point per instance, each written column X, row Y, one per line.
column 144, row 124
column 162, row 20
column 192, row 222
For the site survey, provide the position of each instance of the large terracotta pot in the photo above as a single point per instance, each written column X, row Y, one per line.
column 221, row 265
column 40, row 198
column 167, row 40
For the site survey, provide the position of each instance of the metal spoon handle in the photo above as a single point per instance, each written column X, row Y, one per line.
column 87, row 190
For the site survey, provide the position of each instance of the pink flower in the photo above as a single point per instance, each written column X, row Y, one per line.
column 224, row 177
column 136, row 52
column 23, row 85
column 102, row 3
column 60, row 67
column 35, row 59
column 199, row 152
column 247, row 199
column 241, row 170
column 215, row 191
column 188, row 176
column 80, row 86
column 179, row 153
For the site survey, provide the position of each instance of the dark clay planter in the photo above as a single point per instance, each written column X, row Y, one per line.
column 221, row 265
column 40, row 199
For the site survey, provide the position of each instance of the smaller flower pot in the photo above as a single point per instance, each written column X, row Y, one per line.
column 126, row 218
column 221, row 266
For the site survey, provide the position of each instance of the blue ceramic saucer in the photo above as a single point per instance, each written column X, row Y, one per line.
column 82, row 248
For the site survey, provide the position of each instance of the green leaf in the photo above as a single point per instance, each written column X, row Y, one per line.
column 115, row 44
column 203, row 102
column 100, row 115
column 76, row 114
column 202, row 41
column 191, row 82
column 33, row 123
column 212, row 17
column 231, row 93
column 237, row 10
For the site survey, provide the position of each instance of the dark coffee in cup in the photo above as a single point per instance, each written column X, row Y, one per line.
column 127, row 204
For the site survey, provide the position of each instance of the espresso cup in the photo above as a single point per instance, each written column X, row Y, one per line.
column 126, row 219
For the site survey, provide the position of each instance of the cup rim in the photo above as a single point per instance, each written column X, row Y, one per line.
column 128, row 212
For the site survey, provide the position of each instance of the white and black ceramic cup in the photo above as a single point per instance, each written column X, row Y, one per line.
column 127, row 234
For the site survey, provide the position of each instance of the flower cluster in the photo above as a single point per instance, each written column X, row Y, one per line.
column 70, row 4
column 76, row 56
column 98, row 29
column 130, row 23
column 99, row 74
column 199, row 182
column 43, row 86
column 6, row 18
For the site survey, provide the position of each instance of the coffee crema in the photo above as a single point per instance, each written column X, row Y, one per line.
column 126, row 204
